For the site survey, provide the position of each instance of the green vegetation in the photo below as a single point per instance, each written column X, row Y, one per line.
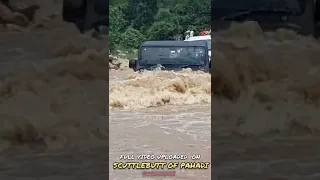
column 135, row 21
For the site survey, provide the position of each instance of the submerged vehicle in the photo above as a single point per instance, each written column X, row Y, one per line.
column 172, row 55
column 298, row 15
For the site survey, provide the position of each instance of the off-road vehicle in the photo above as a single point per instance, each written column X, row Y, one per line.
column 172, row 55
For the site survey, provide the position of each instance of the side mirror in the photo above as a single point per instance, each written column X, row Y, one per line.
column 132, row 64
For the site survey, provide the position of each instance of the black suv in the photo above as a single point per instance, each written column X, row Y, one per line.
column 172, row 55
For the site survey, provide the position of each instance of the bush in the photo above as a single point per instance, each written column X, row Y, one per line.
column 132, row 38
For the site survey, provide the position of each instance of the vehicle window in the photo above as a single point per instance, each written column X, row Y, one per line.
column 173, row 55
column 209, row 44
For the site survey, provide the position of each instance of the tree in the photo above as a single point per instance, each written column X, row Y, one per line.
column 133, row 21
column 117, row 24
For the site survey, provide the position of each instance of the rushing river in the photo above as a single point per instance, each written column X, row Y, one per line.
column 54, row 110
column 161, row 113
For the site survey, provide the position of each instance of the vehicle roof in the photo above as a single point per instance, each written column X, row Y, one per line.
column 175, row 43
column 196, row 38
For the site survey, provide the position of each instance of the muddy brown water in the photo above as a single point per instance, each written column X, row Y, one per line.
column 265, row 109
column 53, row 111
column 162, row 113
column 53, row 105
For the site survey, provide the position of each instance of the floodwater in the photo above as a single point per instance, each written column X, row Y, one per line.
column 53, row 104
column 160, row 112
column 265, row 107
column 53, row 108
column 54, row 116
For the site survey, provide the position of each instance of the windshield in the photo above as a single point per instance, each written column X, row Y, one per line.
column 173, row 56
column 294, row 6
